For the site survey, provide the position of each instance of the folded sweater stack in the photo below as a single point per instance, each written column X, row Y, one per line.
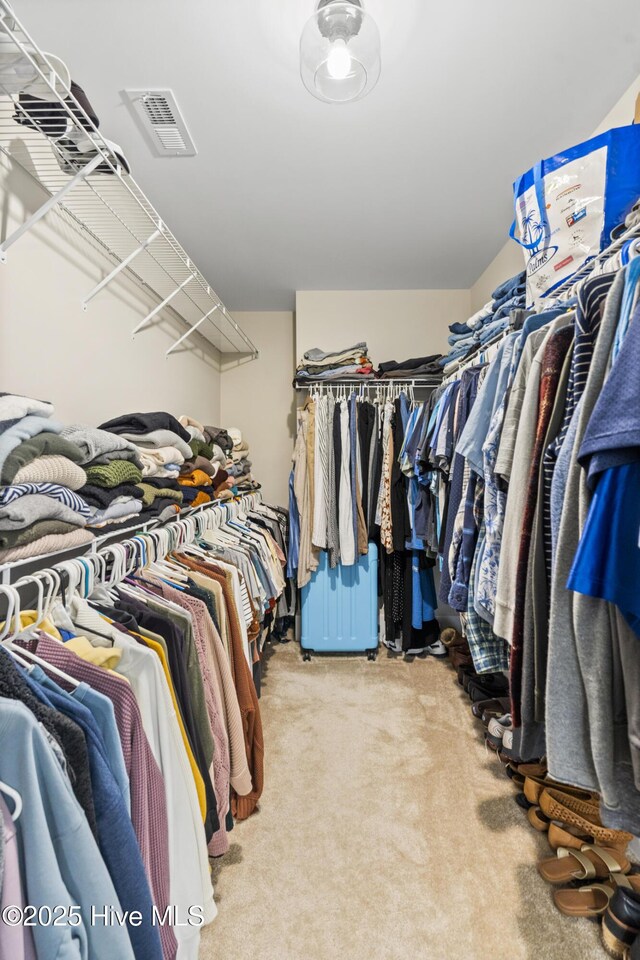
column 203, row 477
column 61, row 486
column 40, row 472
column 350, row 362
column 161, row 445
column 238, row 464
column 112, row 466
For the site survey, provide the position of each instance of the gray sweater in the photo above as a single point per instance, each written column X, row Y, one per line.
column 587, row 735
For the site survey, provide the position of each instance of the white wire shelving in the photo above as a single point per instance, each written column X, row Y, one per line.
column 56, row 142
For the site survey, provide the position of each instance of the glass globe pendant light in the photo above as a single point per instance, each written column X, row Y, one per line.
column 340, row 52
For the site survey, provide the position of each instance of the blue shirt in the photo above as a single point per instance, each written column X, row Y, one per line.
column 116, row 837
column 61, row 860
column 607, row 561
column 612, row 436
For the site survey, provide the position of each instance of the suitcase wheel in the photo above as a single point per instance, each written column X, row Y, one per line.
column 306, row 655
column 372, row 654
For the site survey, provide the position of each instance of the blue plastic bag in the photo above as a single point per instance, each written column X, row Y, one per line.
column 567, row 206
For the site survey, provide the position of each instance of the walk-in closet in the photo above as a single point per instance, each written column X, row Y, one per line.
column 319, row 480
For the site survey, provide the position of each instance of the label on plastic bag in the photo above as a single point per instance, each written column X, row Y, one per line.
column 568, row 231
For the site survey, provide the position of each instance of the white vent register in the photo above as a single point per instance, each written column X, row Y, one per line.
column 163, row 125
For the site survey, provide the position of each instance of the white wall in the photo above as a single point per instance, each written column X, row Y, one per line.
column 87, row 364
column 258, row 398
column 510, row 259
column 396, row 324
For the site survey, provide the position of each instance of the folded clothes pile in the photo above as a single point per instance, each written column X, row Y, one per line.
column 351, row 362
column 162, row 446
column 112, row 468
column 202, row 477
column 238, row 465
column 40, row 472
column 488, row 322
column 61, row 486
column 409, row 369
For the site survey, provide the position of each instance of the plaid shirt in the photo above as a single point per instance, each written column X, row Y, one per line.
column 490, row 653
column 465, row 539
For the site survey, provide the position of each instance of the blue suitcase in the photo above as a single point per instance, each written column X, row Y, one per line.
column 339, row 608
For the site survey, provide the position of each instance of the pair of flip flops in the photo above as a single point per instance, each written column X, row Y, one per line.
column 606, row 865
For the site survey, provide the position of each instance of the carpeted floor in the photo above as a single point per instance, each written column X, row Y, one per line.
column 385, row 831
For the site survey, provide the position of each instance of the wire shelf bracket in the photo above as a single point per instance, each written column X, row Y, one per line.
column 121, row 266
column 48, row 205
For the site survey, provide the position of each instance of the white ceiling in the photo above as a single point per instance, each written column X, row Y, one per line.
column 409, row 188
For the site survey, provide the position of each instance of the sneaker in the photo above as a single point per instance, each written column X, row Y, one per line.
column 497, row 728
column 437, row 650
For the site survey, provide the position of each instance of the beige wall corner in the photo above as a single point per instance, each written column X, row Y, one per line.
column 257, row 397
column 396, row 324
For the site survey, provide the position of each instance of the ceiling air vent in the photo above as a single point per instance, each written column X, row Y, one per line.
column 163, row 125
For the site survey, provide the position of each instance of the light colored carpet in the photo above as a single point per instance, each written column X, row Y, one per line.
column 385, row 831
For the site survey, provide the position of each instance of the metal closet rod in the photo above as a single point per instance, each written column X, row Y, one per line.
column 122, row 536
column 368, row 384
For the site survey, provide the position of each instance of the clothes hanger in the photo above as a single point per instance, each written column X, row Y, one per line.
column 6, row 626
column 24, row 651
column 15, row 797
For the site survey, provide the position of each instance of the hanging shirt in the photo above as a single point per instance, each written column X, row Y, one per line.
column 61, row 861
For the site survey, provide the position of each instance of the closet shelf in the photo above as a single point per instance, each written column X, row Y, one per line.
column 96, row 194
column 124, row 533
column 427, row 382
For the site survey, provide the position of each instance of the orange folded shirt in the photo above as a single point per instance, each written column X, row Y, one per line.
column 197, row 478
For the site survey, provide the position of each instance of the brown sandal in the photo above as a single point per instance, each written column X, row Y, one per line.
column 592, row 900
column 588, row 863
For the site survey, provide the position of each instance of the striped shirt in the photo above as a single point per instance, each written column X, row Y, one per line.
column 591, row 298
column 53, row 490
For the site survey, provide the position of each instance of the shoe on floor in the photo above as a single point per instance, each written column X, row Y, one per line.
column 621, row 922
column 437, row 650
column 487, row 685
column 451, row 637
column 497, row 728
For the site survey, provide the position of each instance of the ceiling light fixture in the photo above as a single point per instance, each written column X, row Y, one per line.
column 340, row 52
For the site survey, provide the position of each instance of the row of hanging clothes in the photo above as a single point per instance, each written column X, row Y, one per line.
column 534, row 453
column 130, row 731
column 355, row 480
